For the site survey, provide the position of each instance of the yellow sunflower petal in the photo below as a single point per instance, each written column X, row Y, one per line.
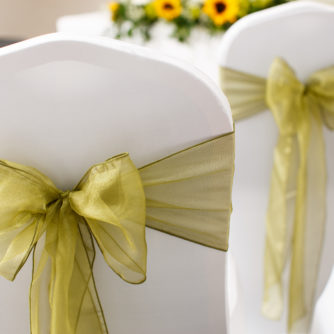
column 221, row 11
column 168, row 9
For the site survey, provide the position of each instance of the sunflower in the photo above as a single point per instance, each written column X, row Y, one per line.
column 113, row 8
column 221, row 11
column 168, row 9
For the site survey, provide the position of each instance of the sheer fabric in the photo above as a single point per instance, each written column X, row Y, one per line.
column 187, row 194
column 296, row 209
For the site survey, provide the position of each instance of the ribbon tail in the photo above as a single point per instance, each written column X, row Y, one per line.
column 90, row 317
column 63, row 298
column 309, row 224
column 39, row 308
column 279, row 224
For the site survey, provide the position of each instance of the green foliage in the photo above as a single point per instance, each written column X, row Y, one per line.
column 130, row 18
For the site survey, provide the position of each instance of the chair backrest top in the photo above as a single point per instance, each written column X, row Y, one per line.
column 300, row 32
column 71, row 101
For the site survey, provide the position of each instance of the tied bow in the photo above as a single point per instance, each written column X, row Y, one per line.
column 296, row 210
column 187, row 194
column 108, row 203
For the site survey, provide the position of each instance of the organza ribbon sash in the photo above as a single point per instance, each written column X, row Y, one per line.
column 296, row 210
column 187, row 194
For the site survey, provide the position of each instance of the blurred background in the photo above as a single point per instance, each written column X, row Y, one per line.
column 20, row 19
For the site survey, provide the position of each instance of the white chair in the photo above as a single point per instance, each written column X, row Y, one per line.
column 200, row 50
column 69, row 102
column 301, row 33
column 323, row 321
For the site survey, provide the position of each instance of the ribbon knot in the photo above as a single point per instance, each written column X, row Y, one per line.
column 305, row 89
column 285, row 96
column 64, row 194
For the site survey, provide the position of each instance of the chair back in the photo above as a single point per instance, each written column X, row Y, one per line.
column 69, row 102
column 299, row 32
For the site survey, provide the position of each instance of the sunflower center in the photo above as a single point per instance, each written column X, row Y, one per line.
column 168, row 6
column 220, row 7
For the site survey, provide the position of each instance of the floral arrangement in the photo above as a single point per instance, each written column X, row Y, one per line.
column 213, row 15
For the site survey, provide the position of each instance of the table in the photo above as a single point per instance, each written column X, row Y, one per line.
column 201, row 50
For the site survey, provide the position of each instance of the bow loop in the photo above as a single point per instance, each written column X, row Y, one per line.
column 321, row 86
column 284, row 95
column 111, row 199
column 25, row 194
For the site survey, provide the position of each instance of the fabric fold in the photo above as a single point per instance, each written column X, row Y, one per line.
column 189, row 194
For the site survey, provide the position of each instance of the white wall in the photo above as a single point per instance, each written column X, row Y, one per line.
column 27, row 18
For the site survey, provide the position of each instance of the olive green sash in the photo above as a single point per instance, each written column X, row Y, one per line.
column 187, row 194
column 296, row 210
